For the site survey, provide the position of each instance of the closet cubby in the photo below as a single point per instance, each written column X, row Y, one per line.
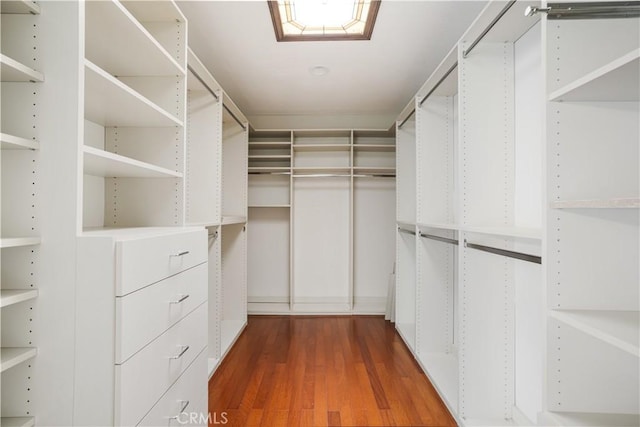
column 374, row 153
column 317, row 152
column 22, row 75
column 135, row 111
column 592, row 217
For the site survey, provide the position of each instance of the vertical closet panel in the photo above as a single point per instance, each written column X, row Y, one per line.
column 321, row 243
column 373, row 249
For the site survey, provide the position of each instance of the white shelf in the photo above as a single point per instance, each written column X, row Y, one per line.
column 321, row 147
column 439, row 226
column 374, row 147
column 17, row 421
column 269, row 157
column 269, row 206
column 23, row 7
column 231, row 219
column 121, row 45
column 406, row 225
column 515, row 232
column 442, row 369
column 269, row 169
column 14, row 71
column 617, row 328
column 14, row 242
column 109, row 102
column 622, row 203
column 11, row 142
column 373, row 170
column 12, row 356
column 618, row 80
column 269, row 144
column 322, row 170
column 206, row 224
column 10, row 296
column 103, row 163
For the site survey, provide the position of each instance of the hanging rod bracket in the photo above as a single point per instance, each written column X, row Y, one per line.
column 532, row 10
column 588, row 10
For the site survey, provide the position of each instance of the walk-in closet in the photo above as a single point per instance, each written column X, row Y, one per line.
column 320, row 213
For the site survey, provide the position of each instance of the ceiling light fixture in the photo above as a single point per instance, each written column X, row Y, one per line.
column 319, row 70
column 322, row 20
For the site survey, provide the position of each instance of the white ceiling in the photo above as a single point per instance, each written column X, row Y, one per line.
column 236, row 42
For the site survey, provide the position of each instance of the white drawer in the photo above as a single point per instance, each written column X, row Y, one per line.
column 144, row 378
column 145, row 314
column 141, row 262
column 190, row 393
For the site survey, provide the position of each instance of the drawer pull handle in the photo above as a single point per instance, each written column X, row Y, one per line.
column 185, row 403
column 182, row 352
column 179, row 254
column 179, row 300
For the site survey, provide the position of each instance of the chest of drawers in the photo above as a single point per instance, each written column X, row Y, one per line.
column 141, row 328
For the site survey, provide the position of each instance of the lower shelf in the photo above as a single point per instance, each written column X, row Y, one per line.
column 17, row 421
column 12, row 356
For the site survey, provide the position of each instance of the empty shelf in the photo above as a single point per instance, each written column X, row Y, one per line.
column 618, row 80
column 20, row 7
column 14, row 242
column 621, row 203
column 231, row 219
column 374, row 147
column 17, row 421
column 10, row 296
column 109, row 102
column 506, row 231
column 122, row 46
column 269, row 206
column 269, row 144
column 14, row 71
column 12, row 356
column 10, row 142
column 103, row 163
column 439, row 225
column 321, row 147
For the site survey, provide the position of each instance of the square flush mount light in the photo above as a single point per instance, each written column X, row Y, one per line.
column 318, row 20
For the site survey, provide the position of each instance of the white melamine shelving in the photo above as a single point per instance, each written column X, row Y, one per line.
column 103, row 163
column 514, row 232
column 374, row 147
column 614, row 81
column 619, row 203
column 321, row 147
column 18, row 421
column 15, row 242
column 14, row 71
column 118, row 43
column 15, row 296
column 11, row 142
column 438, row 225
column 12, row 356
column 228, row 220
column 109, row 102
column 269, row 144
column 20, row 7
column 274, row 169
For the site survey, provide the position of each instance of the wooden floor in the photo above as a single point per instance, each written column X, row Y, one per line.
column 323, row 371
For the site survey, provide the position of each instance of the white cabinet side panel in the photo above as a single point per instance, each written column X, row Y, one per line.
column 234, row 272
column 234, row 172
column 406, row 172
column 321, row 240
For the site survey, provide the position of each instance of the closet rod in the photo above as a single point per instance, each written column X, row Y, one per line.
column 489, row 27
column 197, row 76
column 321, row 175
column 581, row 10
column 511, row 254
column 433, row 89
column 407, row 118
column 438, row 238
column 404, row 230
column 362, row 175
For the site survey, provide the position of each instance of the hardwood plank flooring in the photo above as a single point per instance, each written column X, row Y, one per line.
column 323, row 371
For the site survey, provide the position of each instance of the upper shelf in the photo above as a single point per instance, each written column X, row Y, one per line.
column 109, row 102
column 118, row 43
column 269, row 144
column 619, row 80
column 20, row 7
column 15, row 242
column 230, row 219
column 11, row 142
column 103, row 163
column 374, row 147
column 438, row 225
column 14, row 71
column 622, row 203
column 321, row 147
column 12, row 356
column 506, row 231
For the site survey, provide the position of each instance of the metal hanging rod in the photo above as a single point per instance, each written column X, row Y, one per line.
column 443, row 78
column 438, row 238
column 404, row 230
column 407, row 118
column 489, row 27
column 321, row 175
column 215, row 95
column 511, row 254
column 593, row 10
column 362, row 175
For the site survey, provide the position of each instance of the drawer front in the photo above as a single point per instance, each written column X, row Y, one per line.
column 147, row 313
column 144, row 378
column 142, row 262
column 190, row 393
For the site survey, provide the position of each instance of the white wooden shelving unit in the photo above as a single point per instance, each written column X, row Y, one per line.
column 21, row 200
column 310, row 190
column 593, row 96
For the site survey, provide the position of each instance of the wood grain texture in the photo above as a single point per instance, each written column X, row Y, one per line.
column 323, row 371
